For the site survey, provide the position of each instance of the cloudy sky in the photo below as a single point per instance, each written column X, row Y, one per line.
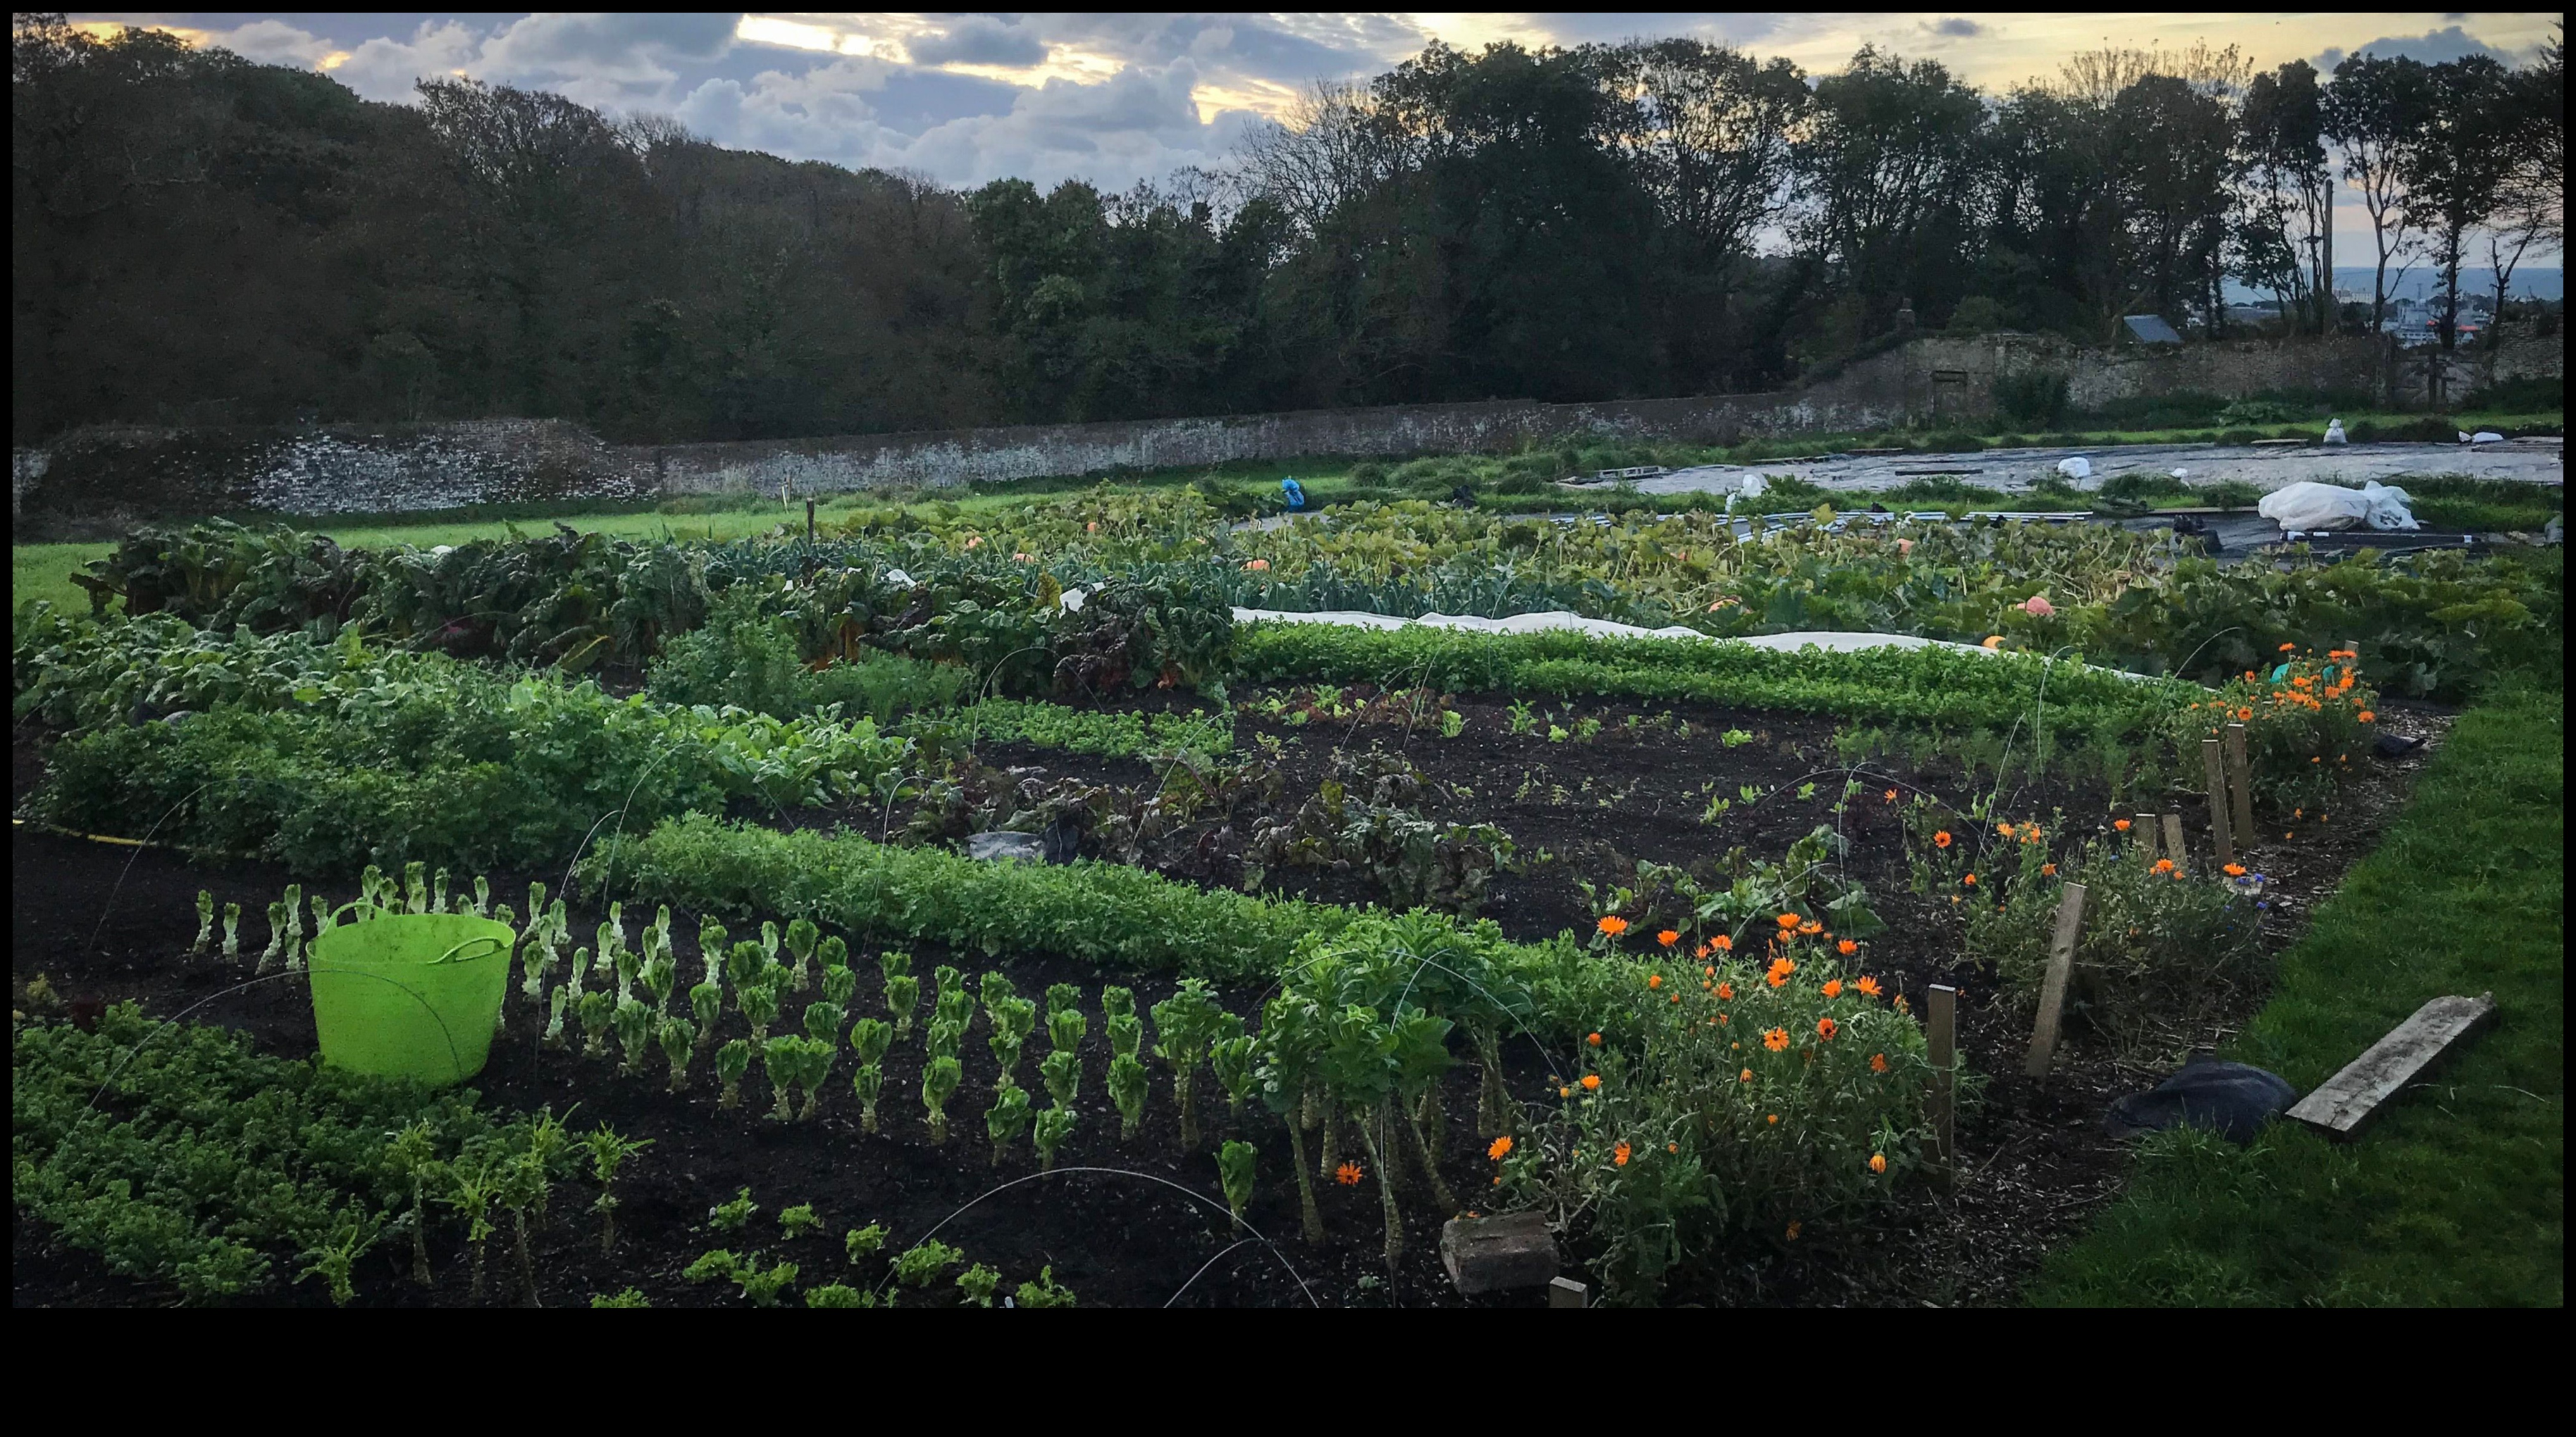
column 1117, row 98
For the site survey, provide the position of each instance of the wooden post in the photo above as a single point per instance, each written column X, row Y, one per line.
column 2052, row 990
column 1566, row 1292
column 2144, row 825
column 2213, row 765
column 2240, row 784
column 1941, row 1039
column 2173, row 838
column 809, row 521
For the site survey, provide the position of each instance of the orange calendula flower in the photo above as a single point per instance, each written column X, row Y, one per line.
column 1787, row 920
column 1619, row 1155
column 1970, row 880
column 1501, row 1149
column 1257, row 566
column 1668, row 938
column 1847, row 948
column 1878, row 1062
column 1834, row 988
column 1773, row 1119
column 1826, row 1028
column 1868, row 987
column 2285, row 648
column 2048, row 870
column 1811, row 928
column 2005, row 829
column 1348, row 1175
column 1726, row 991
column 1654, row 980
column 2164, row 865
column 1941, row 839
column 1891, row 795
column 1565, row 1092
column 1592, row 1082
column 2365, row 715
column 1878, row 1162
column 1614, row 925
column 1744, row 1077
column 2234, row 870
column 2245, row 715
column 2121, row 824
column 1777, row 1040
column 1593, row 1038
column 1672, row 1147
column 1722, row 943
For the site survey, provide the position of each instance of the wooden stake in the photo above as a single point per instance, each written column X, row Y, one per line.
column 2240, row 783
column 2144, row 825
column 2213, row 765
column 2173, row 838
column 1941, row 1040
column 2052, row 990
column 1566, row 1292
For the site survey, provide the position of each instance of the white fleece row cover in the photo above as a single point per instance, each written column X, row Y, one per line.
column 1829, row 641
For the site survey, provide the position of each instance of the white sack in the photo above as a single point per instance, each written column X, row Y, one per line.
column 2075, row 466
column 2312, row 507
column 2334, row 432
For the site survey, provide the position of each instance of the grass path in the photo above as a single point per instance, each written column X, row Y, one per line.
column 2455, row 1197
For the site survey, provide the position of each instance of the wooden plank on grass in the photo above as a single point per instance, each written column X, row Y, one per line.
column 2173, row 838
column 2052, row 989
column 2144, row 825
column 2240, row 784
column 1941, row 1043
column 2346, row 1102
column 2213, row 765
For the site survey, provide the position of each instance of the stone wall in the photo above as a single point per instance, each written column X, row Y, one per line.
column 108, row 477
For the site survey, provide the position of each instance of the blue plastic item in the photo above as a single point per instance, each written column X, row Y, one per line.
column 1296, row 494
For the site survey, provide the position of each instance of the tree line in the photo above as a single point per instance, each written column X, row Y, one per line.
column 197, row 238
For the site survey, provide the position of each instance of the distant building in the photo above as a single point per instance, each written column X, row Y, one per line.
column 2149, row 329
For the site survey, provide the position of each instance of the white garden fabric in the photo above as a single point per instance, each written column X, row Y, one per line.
column 1830, row 641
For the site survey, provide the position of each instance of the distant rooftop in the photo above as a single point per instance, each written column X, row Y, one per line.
column 2150, row 329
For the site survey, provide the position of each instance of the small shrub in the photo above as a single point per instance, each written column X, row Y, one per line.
column 2031, row 398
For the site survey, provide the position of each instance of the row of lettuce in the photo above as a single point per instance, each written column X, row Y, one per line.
column 1159, row 573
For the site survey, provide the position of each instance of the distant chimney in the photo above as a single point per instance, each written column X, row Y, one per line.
column 1905, row 316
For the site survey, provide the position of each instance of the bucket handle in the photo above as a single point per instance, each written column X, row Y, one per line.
column 450, row 955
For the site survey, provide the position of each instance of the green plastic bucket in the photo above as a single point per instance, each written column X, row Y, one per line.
column 410, row 995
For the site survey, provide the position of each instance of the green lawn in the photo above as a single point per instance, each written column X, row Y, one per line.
column 2455, row 1197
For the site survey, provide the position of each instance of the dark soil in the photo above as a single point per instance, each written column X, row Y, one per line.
column 101, row 921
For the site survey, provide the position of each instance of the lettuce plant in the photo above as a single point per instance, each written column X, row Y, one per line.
column 679, row 1038
column 869, row 1083
column 939, row 1080
column 799, row 1221
column 769, row 937
column 1234, row 1170
column 416, row 886
column 1127, row 1086
column 902, row 995
column 1185, row 1025
column 840, row 986
column 536, row 904
column 996, row 987
column 1232, row 1059
column 802, row 935
column 598, row 1010
column 713, row 948
column 822, row 1022
column 921, row 1264
column 1287, row 1074
column 1051, row 1128
column 1126, row 1034
column 834, row 952
column 1117, row 1002
column 609, row 1152
column 1014, row 1019
column 471, row 1188
column 1061, row 1072
column 270, row 956
column 944, row 1038
column 952, row 1004
column 482, row 895
column 745, row 967
column 978, row 1283
column 1043, row 1293
column 633, row 1022
column 1359, row 1075
column 1007, row 1118
column 782, row 1059
column 815, row 1057
column 321, row 915
column 205, row 922
column 759, row 1006
column 862, row 1242
column 232, row 931
column 732, row 1061
column 706, row 1008
column 294, row 905
column 870, row 1038
column 660, row 976
column 1066, row 1028
column 765, row 1286
column 438, row 891
column 839, row 1294
column 554, row 1035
